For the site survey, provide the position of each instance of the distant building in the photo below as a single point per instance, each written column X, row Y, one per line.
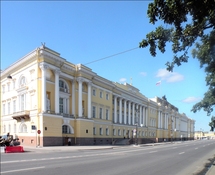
column 204, row 135
column 45, row 100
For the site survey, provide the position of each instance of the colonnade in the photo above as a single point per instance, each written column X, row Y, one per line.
column 128, row 111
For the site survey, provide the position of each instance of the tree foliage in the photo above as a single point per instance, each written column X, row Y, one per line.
column 212, row 123
column 191, row 26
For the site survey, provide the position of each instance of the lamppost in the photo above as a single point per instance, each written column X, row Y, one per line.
column 137, row 112
column 200, row 133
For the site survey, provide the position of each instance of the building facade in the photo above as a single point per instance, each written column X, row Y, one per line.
column 46, row 100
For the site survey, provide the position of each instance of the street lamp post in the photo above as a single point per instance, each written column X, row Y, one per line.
column 137, row 112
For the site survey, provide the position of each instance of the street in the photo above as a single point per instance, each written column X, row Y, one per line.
column 178, row 158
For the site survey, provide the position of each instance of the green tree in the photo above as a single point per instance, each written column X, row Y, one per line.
column 191, row 26
column 212, row 123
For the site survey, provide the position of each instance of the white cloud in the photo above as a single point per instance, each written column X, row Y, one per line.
column 191, row 99
column 169, row 77
column 122, row 80
column 143, row 74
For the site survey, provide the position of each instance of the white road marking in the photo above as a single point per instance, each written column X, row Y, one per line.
column 26, row 169
column 196, row 148
column 181, row 153
column 153, row 151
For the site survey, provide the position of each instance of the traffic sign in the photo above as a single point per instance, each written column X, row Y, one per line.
column 38, row 132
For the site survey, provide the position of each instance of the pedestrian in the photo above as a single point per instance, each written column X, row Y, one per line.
column 69, row 141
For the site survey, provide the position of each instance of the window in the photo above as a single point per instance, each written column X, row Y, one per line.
column 4, row 129
column 119, row 132
column 9, row 129
column 61, row 105
column 3, row 109
column 114, row 132
column 107, row 131
column 101, row 94
column 14, row 128
column 22, row 100
column 3, row 89
column 22, row 81
column 142, row 133
column 124, row 134
column 107, row 114
column 94, row 112
column 14, row 106
column 62, row 86
column 65, row 129
column 23, row 128
column 100, row 113
column 94, row 130
column 94, row 92
column 8, row 87
column 14, row 84
column 8, row 107
column 100, row 131
column 107, row 96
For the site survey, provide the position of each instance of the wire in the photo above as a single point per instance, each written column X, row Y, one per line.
column 111, row 56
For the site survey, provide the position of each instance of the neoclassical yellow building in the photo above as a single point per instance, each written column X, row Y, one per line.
column 46, row 100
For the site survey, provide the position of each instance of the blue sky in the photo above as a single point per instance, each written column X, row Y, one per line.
column 84, row 31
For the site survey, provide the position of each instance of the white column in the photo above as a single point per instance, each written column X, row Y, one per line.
column 115, row 109
column 159, row 119
column 133, row 112
column 141, row 115
column 57, row 72
column 80, row 97
column 120, row 110
column 144, row 112
column 129, row 112
column 73, row 97
column 125, row 110
column 43, row 68
column 89, row 100
column 146, row 116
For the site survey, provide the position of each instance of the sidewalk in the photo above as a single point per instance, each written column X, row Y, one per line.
column 211, row 170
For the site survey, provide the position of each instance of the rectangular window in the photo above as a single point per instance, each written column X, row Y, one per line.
column 9, row 129
column 107, row 96
column 8, row 87
column 114, row 132
column 100, row 131
column 107, row 131
column 3, row 89
column 94, row 130
column 107, row 114
column 22, row 100
column 14, row 106
column 3, row 109
column 8, row 107
column 14, row 128
column 101, row 94
column 14, row 84
column 119, row 132
column 61, row 105
column 94, row 112
column 94, row 92
column 100, row 113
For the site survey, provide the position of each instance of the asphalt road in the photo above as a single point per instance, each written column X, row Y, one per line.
column 170, row 159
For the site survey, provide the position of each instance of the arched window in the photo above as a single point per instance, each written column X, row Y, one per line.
column 63, row 86
column 66, row 129
column 23, row 128
column 22, row 81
